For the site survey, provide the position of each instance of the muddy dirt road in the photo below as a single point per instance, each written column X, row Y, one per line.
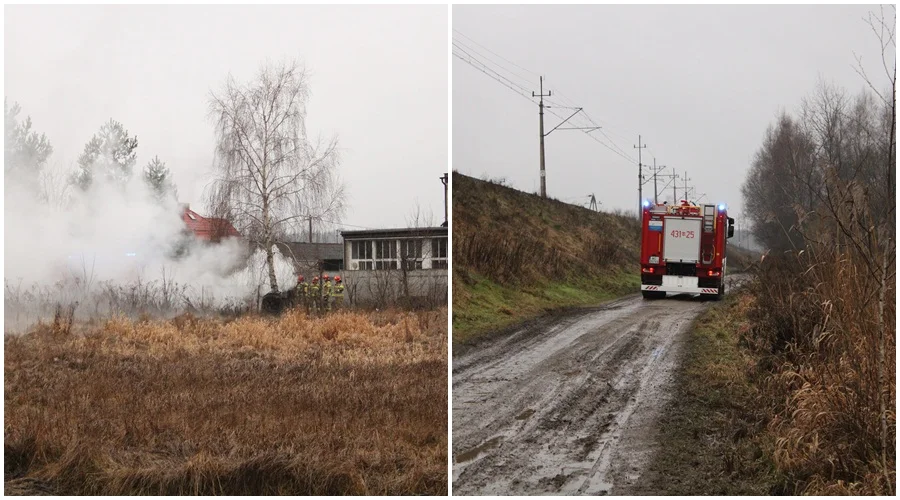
column 567, row 404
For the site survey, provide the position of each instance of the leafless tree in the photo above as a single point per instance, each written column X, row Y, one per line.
column 271, row 178
column 54, row 187
column 774, row 187
column 829, row 177
column 886, row 232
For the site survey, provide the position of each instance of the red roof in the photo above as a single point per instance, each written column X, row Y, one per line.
column 207, row 228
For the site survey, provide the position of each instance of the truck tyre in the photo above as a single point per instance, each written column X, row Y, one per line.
column 719, row 296
column 653, row 295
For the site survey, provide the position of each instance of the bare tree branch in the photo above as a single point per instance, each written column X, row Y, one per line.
column 271, row 179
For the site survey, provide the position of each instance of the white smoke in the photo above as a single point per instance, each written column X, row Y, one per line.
column 116, row 245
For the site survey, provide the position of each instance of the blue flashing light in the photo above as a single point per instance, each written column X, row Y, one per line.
column 646, row 203
column 131, row 254
column 721, row 207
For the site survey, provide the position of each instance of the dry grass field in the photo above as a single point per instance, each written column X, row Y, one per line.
column 353, row 403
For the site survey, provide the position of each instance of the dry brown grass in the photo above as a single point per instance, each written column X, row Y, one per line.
column 515, row 237
column 816, row 326
column 346, row 404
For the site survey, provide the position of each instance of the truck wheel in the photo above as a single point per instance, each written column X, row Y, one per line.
column 721, row 294
column 653, row 295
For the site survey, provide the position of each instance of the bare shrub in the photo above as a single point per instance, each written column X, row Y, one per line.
column 822, row 195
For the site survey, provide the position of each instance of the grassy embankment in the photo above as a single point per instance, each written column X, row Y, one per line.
column 351, row 403
column 516, row 256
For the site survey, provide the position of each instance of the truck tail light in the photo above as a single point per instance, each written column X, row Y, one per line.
column 647, row 269
column 714, row 273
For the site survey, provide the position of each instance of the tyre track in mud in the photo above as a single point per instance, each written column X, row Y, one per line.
column 567, row 405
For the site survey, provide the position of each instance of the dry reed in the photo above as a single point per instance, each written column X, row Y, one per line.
column 347, row 404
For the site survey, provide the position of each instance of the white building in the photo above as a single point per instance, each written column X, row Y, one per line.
column 383, row 266
column 413, row 248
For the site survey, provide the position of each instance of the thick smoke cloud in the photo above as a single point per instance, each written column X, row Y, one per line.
column 116, row 248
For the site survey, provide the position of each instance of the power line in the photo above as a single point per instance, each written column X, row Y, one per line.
column 630, row 159
column 593, row 122
column 596, row 139
column 615, row 148
column 476, row 59
column 344, row 224
column 496, row 54
column 563, row 105
column 461, row 58
column 466, row 53
column 457, row 41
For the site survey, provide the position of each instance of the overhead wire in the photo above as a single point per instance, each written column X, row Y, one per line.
column 482, row 63
column 496, row 78
column 496, row 54
column 502, row 74
column 471, row 49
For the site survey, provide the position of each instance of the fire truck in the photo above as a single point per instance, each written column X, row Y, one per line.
column 683, row 249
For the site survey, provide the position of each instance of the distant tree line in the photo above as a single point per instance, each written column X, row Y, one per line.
column 835, row 155
column 111, row 153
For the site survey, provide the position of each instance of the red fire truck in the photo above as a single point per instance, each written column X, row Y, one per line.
column 683, row 249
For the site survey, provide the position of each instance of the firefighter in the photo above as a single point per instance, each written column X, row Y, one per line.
column 300, row 292
column 326, row 293
column 314, row 295
column 338, row 293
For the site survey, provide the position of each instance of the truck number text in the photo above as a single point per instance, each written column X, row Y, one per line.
column 682, row 234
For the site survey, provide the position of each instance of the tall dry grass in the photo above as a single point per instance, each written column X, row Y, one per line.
column 347, row 404
column 515, row 237
column 827, row 338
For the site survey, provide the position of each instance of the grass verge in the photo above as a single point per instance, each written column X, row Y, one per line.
column 484, row 305
column 347, row 404
column 711, row 435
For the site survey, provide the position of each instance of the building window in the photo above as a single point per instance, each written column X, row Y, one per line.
column 361, row 252
column 385, row 254
column 439, row 253
column 411, row 254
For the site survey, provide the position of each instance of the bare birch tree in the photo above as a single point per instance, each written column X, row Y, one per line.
column 271, row 178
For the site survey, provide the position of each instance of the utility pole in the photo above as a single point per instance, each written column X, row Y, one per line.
column 640, row 177
column 674, row 184
column 310, row 229
column 593, row 205
column 672, row 180
column 654, row 181
column 541, row 113
column 686, row 179
column 444, row 182
column 656, row 171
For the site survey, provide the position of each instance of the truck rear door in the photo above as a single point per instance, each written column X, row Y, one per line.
column 681, row 239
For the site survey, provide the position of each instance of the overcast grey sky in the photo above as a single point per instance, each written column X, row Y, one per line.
column 699, row 83
column 379, row 81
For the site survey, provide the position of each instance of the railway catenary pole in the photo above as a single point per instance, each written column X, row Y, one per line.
column 674, row 194
column 541, row 114
column 655, row 195
column 640, row 177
